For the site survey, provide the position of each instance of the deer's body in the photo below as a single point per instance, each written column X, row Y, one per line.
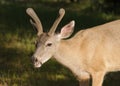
column 97, row 45
column 92, row 50
column 91, row 53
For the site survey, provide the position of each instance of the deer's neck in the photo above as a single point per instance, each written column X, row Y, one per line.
column 64, row 51
column 67, row 56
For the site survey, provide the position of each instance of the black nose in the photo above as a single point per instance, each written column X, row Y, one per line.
column 34, row 59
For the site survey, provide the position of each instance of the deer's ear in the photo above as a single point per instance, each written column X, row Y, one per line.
column 67, row 30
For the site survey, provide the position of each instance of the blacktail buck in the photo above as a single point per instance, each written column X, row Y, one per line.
column 91, row 53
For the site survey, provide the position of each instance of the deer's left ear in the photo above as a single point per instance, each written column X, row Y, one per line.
column 67, row 30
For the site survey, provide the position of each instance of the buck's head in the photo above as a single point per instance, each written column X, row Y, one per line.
column 48, row 42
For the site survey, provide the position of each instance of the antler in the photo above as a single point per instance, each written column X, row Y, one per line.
column 57, row 21
column 37, row 22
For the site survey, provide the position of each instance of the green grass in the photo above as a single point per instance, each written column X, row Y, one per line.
column 17, row 37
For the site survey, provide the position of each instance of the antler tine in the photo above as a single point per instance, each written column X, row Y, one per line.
column 57, row 21
column 37, row 22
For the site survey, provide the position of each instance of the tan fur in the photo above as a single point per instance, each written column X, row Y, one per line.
column 94, row 51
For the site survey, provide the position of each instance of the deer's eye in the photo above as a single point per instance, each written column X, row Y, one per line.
column 49, row 44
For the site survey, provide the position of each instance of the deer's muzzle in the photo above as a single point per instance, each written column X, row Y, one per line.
column 37, row 63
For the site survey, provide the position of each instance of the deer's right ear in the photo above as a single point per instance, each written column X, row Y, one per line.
column 67, row 30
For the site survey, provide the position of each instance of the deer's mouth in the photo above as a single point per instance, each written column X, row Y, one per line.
column 37, row 64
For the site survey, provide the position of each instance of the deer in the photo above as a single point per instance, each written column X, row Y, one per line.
column 90, row 54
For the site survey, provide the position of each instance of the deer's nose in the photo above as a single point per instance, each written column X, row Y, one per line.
column 34, row 59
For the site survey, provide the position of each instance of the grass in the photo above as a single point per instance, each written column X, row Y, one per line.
column 17, row 37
